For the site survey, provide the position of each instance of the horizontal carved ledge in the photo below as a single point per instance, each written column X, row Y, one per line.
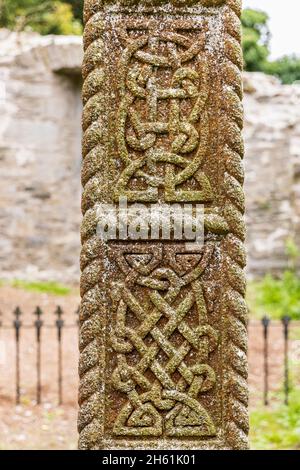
column 92, row 7
column 157, row 3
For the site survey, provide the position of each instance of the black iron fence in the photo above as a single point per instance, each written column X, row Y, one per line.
column 39, row 325
column 285, row 325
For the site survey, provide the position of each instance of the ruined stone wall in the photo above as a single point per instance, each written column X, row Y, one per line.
column 272, row 161
column 40, row 156
column 40, row 136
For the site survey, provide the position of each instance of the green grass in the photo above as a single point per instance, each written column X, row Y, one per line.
column 49, row 287
column 275, row 297
column 276, row 427
column 255, row 309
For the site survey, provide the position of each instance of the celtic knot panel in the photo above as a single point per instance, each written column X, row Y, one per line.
column 164, row 342
column 162, row 120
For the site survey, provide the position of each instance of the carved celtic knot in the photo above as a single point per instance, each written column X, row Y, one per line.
column 168, row 402
column 162, row 121
column 163, row 332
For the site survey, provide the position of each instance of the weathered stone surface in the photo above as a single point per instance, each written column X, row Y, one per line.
column 163, row 329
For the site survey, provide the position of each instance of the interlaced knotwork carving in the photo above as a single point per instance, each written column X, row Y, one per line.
column 186, row 130
column 163, row 332
column 163, row 285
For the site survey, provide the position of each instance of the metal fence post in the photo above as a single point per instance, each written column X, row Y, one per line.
column 59, row 324
column 266, row 322
column 286, row 322
column 17, row 325
column 38, row 325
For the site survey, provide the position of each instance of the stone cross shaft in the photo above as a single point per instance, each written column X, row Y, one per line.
column 163, row 340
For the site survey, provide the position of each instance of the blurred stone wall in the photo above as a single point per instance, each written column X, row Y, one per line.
column 40, row 139
column 272, row 163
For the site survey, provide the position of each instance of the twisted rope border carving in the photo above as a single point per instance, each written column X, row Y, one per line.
column 235, row 327
column 90, row 420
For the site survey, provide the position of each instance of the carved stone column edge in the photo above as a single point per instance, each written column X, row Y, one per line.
column 92, row 353
column 235, row 376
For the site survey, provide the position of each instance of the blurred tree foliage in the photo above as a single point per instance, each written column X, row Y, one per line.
column 43, row 16
column 256, row 47
column 77, row 7
column 65, row 17
column 286, row 68
column 256, row 39
column 280, row 295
